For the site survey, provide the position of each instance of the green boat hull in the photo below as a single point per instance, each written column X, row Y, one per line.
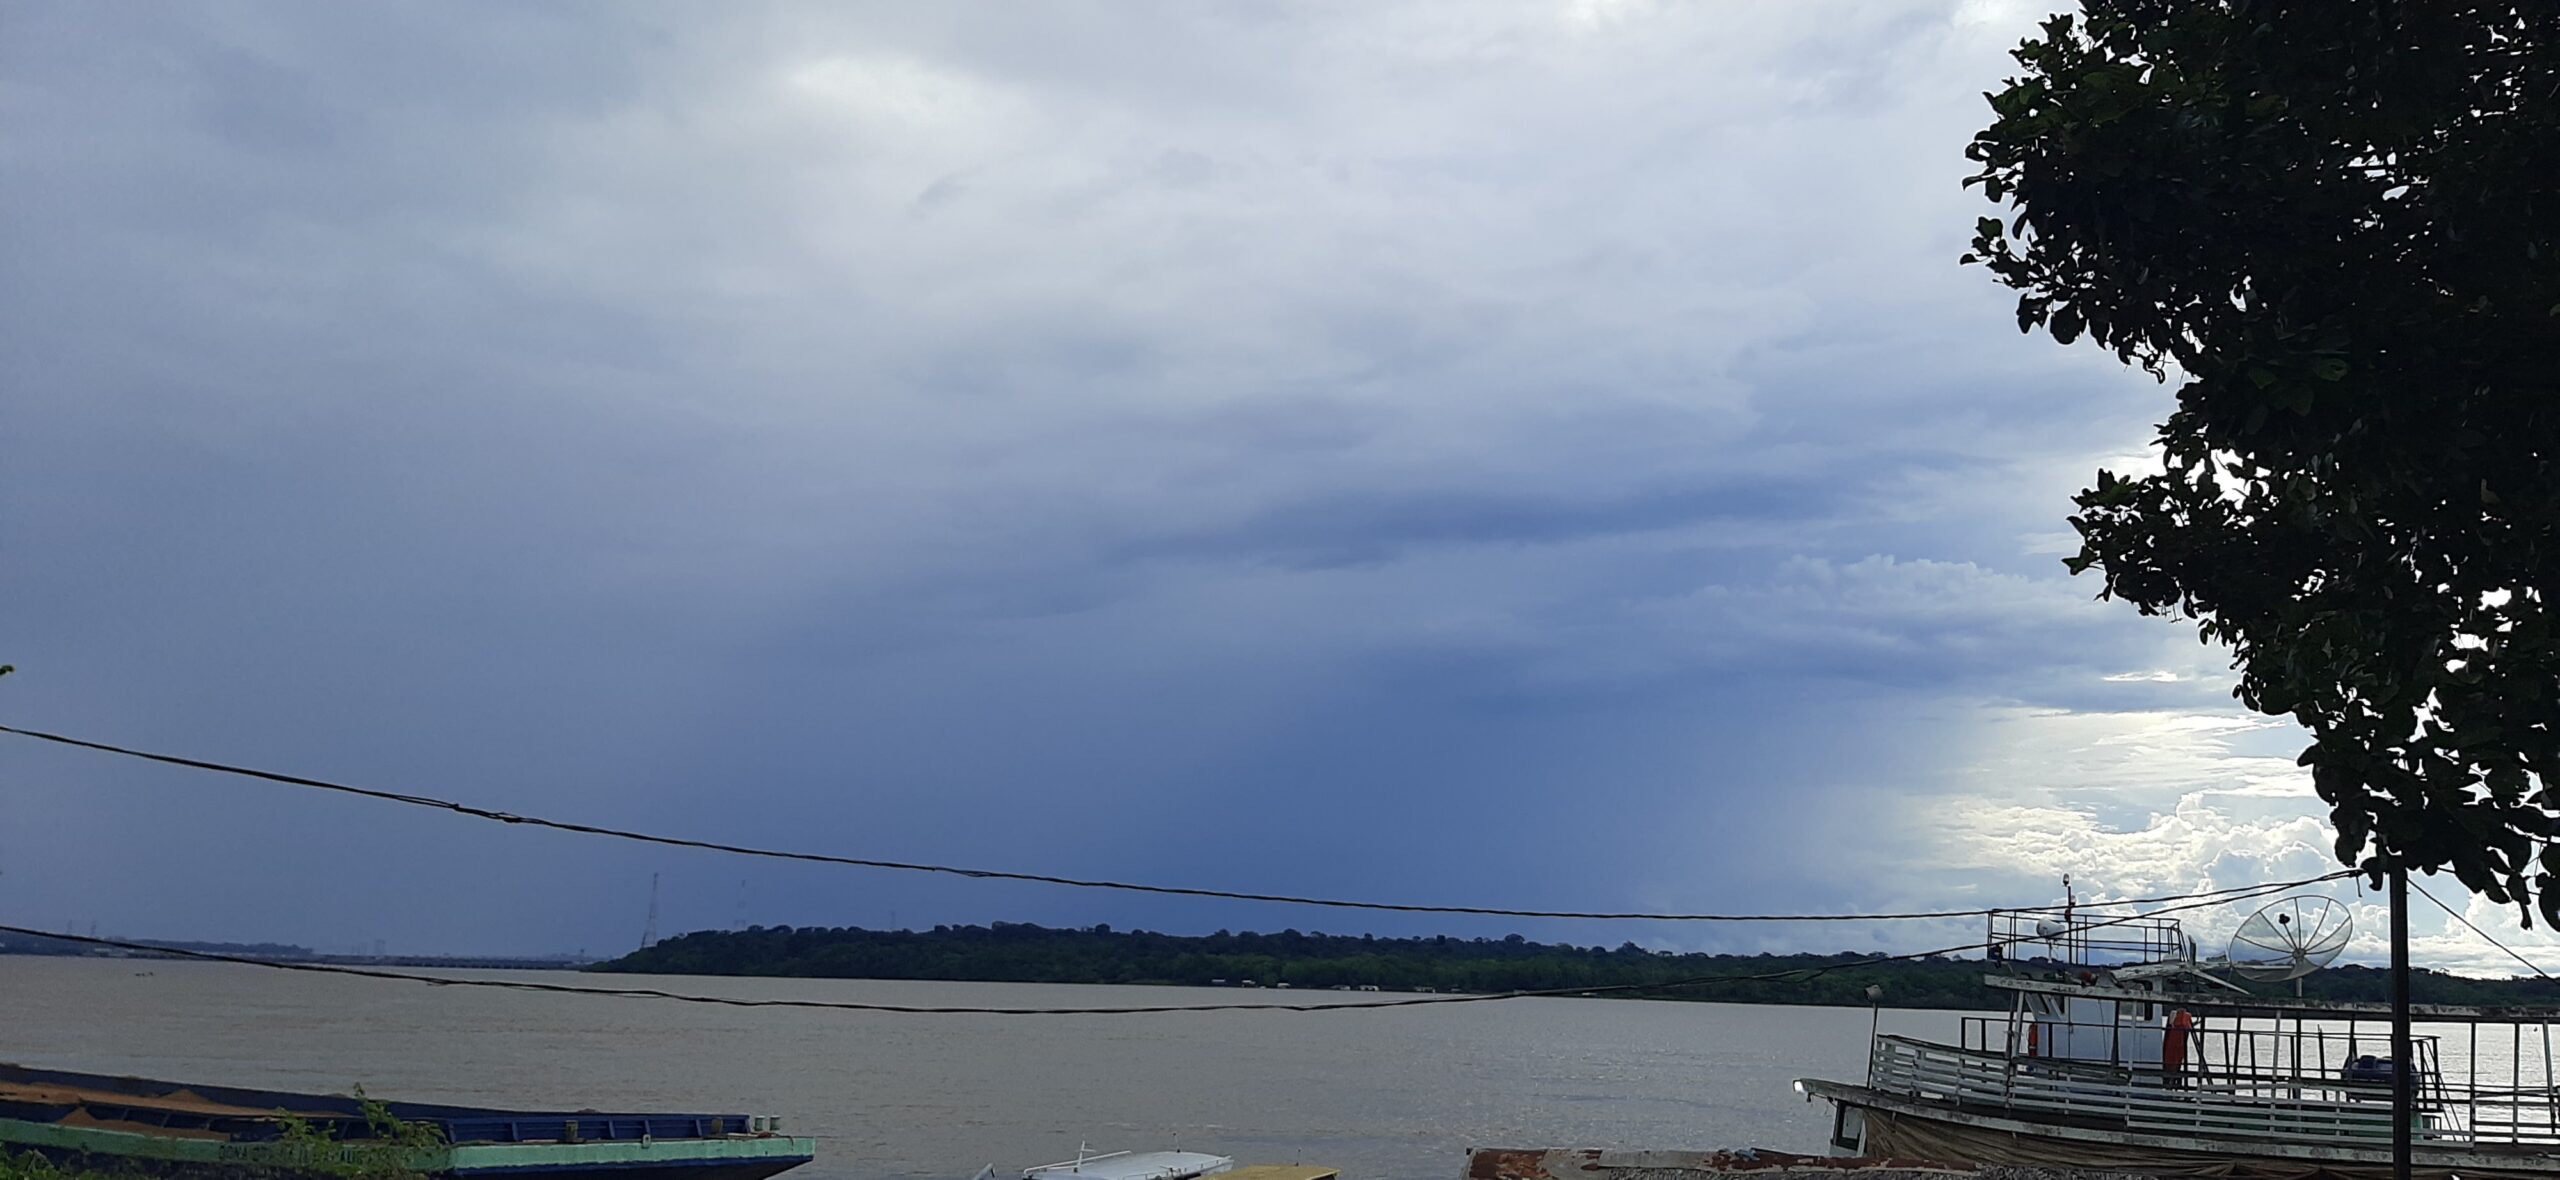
column 735, row 1158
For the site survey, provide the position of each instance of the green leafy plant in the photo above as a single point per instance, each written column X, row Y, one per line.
column 2337, row 226
column 31, row 1165
column 390, row 1148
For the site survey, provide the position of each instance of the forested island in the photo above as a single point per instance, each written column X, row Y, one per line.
column 1025, row 953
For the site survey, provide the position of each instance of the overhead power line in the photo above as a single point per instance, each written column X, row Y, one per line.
column 2485, row 936
column 505, row 817
column 1795, row 974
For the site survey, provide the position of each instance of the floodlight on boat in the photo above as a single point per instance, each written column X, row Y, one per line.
column 2290, row 938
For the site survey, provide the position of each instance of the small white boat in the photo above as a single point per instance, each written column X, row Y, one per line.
column 1134, row 1165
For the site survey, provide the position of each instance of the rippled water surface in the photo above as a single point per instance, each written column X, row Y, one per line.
column 1397, row 1094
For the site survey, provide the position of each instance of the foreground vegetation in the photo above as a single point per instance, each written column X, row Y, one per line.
column 1014, row 952
column 27, row 1165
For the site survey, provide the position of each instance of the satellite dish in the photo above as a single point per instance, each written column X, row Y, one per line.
column 2048, row 928
column 2290, row 938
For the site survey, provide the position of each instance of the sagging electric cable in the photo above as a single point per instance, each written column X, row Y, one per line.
column 505, row 817
column 2485, row 936
column 1796, row 974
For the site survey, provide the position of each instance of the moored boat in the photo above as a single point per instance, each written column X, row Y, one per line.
column 1165, row 1165
column 170, row 1128
column 2122, row 1052
column 1135, row 1165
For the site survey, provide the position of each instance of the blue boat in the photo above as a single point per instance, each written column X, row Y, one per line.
column 184, row 1130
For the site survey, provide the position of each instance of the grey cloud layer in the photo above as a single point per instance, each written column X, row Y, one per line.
column 1031, row 436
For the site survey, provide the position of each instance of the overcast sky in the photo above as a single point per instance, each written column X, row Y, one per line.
column 1536, row 454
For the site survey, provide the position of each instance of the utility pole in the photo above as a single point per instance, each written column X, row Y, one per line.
column 2404, row 1065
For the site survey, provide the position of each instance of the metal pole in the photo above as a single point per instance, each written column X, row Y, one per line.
column 2403, row 1062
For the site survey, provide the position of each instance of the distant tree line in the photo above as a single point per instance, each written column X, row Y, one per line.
column 1024, row 953
column 38, row 944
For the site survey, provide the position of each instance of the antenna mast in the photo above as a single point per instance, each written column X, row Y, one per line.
column 649, row 933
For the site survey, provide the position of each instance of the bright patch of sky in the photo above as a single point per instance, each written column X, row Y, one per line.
column 1523, row 454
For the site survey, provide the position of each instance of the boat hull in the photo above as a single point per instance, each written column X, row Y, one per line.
column 1873, row 1122
column 188, row 1158
column 174, row 1129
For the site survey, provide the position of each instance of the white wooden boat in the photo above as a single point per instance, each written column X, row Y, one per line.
column 2121, row 1052
column 1134, row 1165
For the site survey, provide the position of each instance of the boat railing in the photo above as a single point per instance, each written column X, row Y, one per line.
column 2280, row 1058
column 2292, row 1105
column 1082, row 1158
column 538, row 1128
column 588, row 1128
column 2066, row 936
column 2293, row 1053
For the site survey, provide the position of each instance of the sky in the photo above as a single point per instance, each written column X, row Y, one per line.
column 1536, row 455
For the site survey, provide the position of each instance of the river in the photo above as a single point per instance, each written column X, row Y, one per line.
column 1386, row 1095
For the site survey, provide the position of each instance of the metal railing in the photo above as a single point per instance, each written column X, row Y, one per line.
column 2278, row 1058
column 2292, row 1053
column 2083, row 937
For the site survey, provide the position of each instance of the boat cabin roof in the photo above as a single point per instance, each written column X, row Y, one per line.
column 2238, row 1004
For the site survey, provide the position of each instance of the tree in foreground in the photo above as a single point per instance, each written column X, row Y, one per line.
column 2336, row 226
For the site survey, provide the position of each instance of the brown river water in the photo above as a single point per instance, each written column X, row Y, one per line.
column 1385, row 1095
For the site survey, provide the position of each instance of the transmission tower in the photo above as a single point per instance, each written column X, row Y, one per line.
column 649, row 933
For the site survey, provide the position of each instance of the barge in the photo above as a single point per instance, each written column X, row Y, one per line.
column 183, row 1130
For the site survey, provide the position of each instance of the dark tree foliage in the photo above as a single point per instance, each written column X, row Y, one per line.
column 1023, row 953
column 2337, row 225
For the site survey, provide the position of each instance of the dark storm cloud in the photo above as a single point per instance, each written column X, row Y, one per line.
column 1542, row 455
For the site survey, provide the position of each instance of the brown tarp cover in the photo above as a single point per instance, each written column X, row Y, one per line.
column 75, row 1109
column 180, row 1101
column 82, row 1118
